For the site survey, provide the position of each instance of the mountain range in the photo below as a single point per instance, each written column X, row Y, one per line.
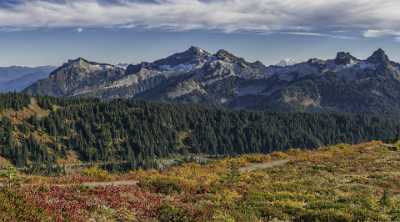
column 342, row 84
column 17, row 78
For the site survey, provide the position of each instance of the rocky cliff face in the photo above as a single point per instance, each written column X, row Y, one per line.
column 77, row 77
column 344, row 83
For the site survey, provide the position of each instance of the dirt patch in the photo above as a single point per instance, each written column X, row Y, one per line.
column 261, row 166
column 112, row 183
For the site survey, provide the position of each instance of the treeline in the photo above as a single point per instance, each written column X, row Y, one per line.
column 132, row 133
column 13, row 101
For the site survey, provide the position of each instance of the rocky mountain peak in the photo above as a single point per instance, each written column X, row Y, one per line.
column 84, row 64
column 258, row 63
column 77, row 61
column 196, row 50
column 344, row 58
column 229, row 57
column 194, row 56
column 315, row 61
column 379, row 57
column 132, row 69
column 225, row 55
column 80, row 68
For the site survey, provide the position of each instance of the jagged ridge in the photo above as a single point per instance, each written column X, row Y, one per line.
column 344, row 83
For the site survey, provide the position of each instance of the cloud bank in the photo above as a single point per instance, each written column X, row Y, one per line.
column 335, row 18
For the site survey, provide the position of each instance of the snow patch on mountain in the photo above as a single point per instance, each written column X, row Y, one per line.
column 286, row 62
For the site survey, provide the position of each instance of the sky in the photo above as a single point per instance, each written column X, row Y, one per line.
column 49, row 32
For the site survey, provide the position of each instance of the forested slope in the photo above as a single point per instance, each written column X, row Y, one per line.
column 134, row 132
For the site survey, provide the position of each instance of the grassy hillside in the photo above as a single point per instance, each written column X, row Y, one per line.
column 336, row 183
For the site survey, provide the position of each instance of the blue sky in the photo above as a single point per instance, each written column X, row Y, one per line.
column 41, row 32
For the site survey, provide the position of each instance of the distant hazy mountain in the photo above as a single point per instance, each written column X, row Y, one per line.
column 16, row 78
column 286, row 62
column 344, row 83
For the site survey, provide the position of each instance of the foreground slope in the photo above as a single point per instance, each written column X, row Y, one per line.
column 342, row 84
column 337, row 183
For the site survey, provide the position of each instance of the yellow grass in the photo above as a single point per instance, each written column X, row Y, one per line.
column 33, row 109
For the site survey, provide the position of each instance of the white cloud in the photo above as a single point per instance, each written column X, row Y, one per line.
column 307, row 17
column 319, row 35
column 79, row 30
column 380, row 33
column 374, row 33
